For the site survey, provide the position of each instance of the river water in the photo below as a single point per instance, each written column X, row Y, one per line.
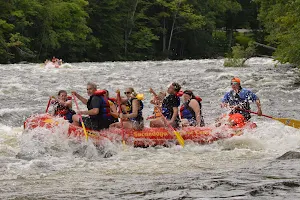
column 40, row 165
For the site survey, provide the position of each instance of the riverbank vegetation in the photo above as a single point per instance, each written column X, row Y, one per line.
column 111, row 30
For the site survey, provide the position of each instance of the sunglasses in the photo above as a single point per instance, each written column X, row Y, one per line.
column 127, row 92
column 234, row 83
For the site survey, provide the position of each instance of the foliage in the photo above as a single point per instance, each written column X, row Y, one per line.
column 93, row 30
column 239, row 55
column 281, row 20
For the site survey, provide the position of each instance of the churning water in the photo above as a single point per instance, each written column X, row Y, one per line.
column 42, row 165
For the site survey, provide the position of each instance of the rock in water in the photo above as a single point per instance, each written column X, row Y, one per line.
column 290, row 155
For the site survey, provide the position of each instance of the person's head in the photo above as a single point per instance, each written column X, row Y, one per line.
column 173, row 88
column 106, row 93
column 161, row 95
column 62, row 95
column 235, row 83
column 91, row 88
column 187, row 95
column 129, row 92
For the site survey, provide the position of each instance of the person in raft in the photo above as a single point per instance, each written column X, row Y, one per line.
column 113, row 108
column 131, row 114
column 98, row 109
column 63, row 106
column 169, row 108
column 157, row 101
column 190, row 110
column 238, row 99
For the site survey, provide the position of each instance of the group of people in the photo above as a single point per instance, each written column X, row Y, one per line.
column 127, row 112
column 54, row 62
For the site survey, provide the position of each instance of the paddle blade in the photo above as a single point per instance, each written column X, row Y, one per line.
column 84, row 130
column 179, row 138
column 289, row 122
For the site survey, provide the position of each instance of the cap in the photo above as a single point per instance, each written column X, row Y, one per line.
column 236, row 79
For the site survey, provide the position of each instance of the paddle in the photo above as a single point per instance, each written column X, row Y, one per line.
column 120, row 110
column 177, row 134
column 289, row 122
column 82, row 124
column 48, row 104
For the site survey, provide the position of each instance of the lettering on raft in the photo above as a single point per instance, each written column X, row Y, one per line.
column 140, row 134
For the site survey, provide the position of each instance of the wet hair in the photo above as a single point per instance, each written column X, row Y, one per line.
column 62, row 91
column 177, row 87
column 132, row 91
column 189, row 92
column 94, row 86
column 107, row 93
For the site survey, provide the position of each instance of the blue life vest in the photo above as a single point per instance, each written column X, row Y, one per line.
column 139, row 117
column 186, row 112
column 104, row 109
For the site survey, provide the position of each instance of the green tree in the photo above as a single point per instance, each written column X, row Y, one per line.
column 281, row 20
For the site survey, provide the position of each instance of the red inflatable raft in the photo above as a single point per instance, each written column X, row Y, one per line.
column 144, row 138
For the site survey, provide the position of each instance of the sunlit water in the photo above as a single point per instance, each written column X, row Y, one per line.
column 43, row 165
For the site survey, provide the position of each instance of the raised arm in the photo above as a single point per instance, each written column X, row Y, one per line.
column 82, row 99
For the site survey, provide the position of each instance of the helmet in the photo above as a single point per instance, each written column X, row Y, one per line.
column 236, row 79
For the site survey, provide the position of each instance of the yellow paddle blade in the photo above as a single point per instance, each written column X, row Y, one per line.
column 289, row 122
column 84, row 130
column 48, row 120
column 179, row 138
column 124, row 145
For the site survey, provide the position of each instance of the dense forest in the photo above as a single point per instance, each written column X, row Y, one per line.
column 110, row 30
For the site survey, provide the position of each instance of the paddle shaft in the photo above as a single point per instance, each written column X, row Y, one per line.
column 256, row 113
column 120, row 110
column 48, row 104
column 80, row 117
column 177, row 134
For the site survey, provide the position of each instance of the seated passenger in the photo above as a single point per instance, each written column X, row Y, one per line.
column 132, row 116
column 191, row 110
column 113, row 108
column 59, row 62
column 63, row 106
column 169, row 108
column 157, row 101
column 98, row 110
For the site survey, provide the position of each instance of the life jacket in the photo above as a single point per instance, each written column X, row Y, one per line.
column 186, row 112
column 112, row 118
column 64, row 111
column 104, row 110
column 167, row 109
column 237, row 120
column 139, row 117
column 157, row 112
column 243, row 104
column 179, row 94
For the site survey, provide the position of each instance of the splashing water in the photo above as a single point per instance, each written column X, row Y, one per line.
column 46, row 164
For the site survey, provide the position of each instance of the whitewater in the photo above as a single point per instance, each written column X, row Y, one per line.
column 38, row 164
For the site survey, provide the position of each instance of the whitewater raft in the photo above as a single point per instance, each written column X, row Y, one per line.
column 137, row 138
